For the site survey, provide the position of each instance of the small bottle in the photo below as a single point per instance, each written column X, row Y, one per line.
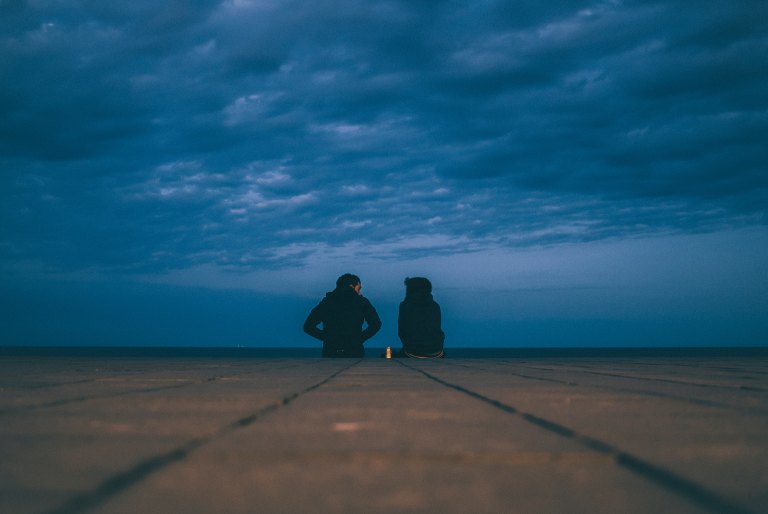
column 389, row 352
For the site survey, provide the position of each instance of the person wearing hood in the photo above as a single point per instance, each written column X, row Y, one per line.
column 419, row 321
column 342, row 313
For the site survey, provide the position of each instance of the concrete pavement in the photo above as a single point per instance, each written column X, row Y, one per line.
column 196, row 435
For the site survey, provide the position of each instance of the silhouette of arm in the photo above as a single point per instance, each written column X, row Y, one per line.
column 372, row 320
column 313, row 320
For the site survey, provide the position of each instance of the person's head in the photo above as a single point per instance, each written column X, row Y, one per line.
column 417, row 285
column 349, row 280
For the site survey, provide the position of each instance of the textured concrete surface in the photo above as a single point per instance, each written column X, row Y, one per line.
column 198, row 435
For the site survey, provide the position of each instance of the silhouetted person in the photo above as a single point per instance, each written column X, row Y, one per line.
column 418, row 322
column 342, row 313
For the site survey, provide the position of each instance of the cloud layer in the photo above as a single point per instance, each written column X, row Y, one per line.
column 260, row 134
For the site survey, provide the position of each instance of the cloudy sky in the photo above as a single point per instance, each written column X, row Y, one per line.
column 566, row 173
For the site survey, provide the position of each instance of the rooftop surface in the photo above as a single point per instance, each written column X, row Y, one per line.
column 240, row 435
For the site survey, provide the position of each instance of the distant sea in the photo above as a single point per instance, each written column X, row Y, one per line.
column 154, row 352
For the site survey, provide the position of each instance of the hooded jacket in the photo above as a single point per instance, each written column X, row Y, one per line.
column 342, row 313
column 418, row 324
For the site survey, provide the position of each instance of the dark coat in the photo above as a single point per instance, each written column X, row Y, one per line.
column 418, row 324
column 342, row 313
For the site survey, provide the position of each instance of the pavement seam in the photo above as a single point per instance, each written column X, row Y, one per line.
column 124, row 373
column 688, row 399
column 57, row 384
column 78, row 399
column 680, row 485
column 642, row 392
column 581, row 369
column 123, row 480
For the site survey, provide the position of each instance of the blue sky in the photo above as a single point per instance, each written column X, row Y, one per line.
column 566, row 173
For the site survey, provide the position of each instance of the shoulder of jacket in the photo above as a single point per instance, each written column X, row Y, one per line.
column 364, row 300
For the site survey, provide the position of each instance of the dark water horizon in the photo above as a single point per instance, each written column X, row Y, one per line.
column 376, row 352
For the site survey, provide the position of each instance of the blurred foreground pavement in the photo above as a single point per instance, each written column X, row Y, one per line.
column 196, row 435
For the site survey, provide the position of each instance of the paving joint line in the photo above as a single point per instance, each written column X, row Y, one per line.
column 582, row 369
column 642, row 392
column 121, row 481
column 739, row 387
column 118, row 375
column 52, row 385
column 79, row 399
column 673, row 482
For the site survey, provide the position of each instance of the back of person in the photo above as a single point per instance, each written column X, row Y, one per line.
column 342, row 313
column 343, row 316
column 419, row 321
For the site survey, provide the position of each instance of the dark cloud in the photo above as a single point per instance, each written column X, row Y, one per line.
column 254, row 134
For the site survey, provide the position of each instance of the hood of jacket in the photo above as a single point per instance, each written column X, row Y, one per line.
column 342, row 295
column 419, row 297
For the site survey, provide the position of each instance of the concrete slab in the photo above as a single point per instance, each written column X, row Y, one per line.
column 457, row 435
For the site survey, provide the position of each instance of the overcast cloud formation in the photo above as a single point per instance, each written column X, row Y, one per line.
column 264, row 136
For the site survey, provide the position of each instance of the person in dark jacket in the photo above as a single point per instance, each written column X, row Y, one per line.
column 342, row 313
column 419, row 320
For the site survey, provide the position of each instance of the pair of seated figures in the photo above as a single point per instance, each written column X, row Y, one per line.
column 344, row 311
